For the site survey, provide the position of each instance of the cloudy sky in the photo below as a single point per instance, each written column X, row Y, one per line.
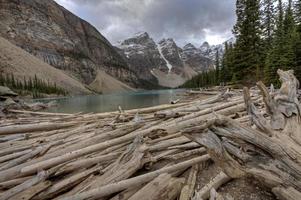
column 186, row 21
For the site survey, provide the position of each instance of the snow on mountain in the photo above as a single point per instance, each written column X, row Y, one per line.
column 170, row 52
column 166, row 63
column 169, row 66
column 193, row 57
column 209, row 51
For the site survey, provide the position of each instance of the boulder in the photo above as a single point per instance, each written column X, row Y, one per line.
column 6, row 92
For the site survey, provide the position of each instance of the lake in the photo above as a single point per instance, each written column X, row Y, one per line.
column 110, row 102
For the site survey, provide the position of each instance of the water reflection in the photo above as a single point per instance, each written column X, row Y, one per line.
column 110, row 102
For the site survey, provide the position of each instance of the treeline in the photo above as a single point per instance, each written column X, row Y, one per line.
column 34, row 86
column 268, row 37
column 208, row 78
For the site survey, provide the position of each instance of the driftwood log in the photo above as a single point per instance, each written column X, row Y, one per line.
column 128, row 154
column 271, row 150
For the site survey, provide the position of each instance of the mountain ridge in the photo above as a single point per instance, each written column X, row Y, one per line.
column 149, row 58
column 58, row 37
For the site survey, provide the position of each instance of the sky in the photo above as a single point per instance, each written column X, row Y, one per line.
column 186, row 21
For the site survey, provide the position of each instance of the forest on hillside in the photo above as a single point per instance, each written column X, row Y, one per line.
column 268, row 37
column 31, row 86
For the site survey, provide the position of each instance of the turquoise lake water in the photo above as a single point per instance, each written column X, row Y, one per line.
column 110, row 102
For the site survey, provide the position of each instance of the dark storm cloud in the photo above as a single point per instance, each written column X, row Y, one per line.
column 184, row 20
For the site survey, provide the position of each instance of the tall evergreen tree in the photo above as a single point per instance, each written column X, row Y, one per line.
column 217, row 67
column 274, row 59
column 268, row 22
column 298, row 39
column 224, row 69
column 247, row 51
column 290, row 37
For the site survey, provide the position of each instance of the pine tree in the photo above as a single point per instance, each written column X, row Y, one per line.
column 2, row 79
column 217, row 67
column 274, row 59
column 297, row 47
column 248, row 47
column 297, row 9
column 268, row 22
column 13, row 81
column 224, row 70
column 268, row 27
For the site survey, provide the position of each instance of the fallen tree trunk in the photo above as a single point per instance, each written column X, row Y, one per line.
column 27, row 184
column 188, row 189
column 215, row 183
column 272, row 152
column 34, row 127
column 164, row 187
column 119, row 186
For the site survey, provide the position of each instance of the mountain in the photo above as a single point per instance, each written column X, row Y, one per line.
column 162, row 63
column 193, row 57
column 142, row 55
column 14, row 60
column 209, row 51
column 53, row 34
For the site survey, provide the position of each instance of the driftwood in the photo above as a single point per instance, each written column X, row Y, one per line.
column 164, row 187
column 26, row 185
column 119, row 186
column 269, row 153
column 125, row 154
column 215, row 183
column 188, row 189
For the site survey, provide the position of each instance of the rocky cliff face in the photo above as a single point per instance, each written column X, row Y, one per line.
column 163, row 62
column 142, row 55
column 209, row 51
column 193, row 57
column 171, row 52
column 63, row 40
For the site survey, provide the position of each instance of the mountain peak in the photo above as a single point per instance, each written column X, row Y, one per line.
column 139, row 38
column 189, row 46
column 205, row 44
column 167, row 41
column 141, row 34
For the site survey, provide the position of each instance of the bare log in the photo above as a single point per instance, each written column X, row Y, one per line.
column 32, row 191
column 215, row 183
column 119, row 186
column 188, row 189
column 34, row 127
column 164, row 187
column 272, row 152
column 27, row 184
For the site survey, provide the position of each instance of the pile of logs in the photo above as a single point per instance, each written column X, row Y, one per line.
column 155, row 153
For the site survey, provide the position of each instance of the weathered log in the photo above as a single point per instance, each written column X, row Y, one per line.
column 13, row 155
column 39, row 150
column 85, row 163
column 195, row 107
column 164, row 187
column 34, row 127
column 186, row 154
column 286, row 193
column 126, row 194
column 215, row 183
column 67, row 183
column 175, row 101
column 168, row 143
column 13, row 182
column 125, row 166
column 32, row 191
column 27, row 184
column 119, row 186
column 214, row 195
column 188, row 189
column 271, row 153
